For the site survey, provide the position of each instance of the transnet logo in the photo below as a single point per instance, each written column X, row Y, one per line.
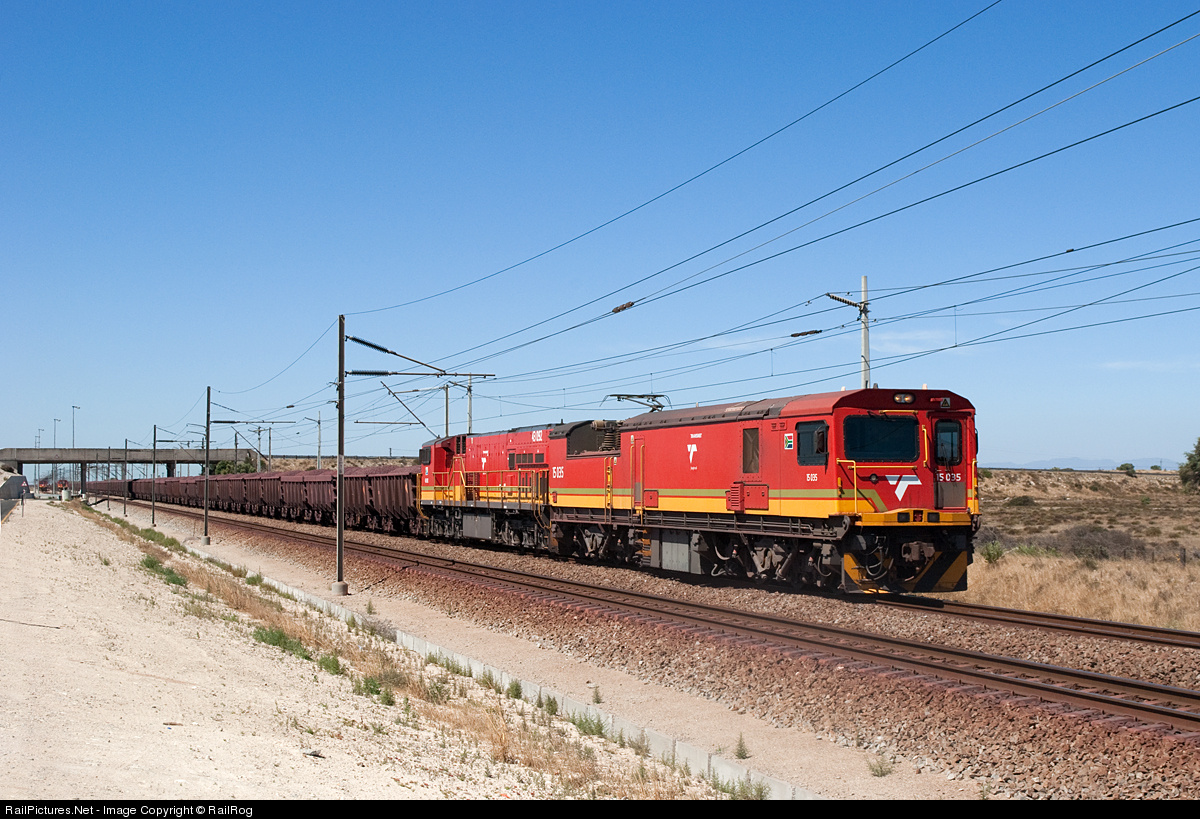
column 901, row 483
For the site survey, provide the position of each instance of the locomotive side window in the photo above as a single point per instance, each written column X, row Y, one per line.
column 947, row 437
column 881, row 438
column 812, row 443
column 750, row 450
column 426, row 455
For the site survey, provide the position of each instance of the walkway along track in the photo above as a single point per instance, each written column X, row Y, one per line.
column 1167, row 709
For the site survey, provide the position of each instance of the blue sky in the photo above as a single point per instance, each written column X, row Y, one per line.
column 191, row 194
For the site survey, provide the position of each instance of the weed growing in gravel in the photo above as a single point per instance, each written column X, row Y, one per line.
column 488, row 680
column 437, row 691
column 596, row 698
column 448, row 664
column 277, row 637
column 880, row 766
column 254, row 579
column 513, row 692
column 330, row 663
column 587, row 725
column 168, row 574
column 741, row 751
column 740, row 789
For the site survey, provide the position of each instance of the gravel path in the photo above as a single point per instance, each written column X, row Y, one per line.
column 111, row 689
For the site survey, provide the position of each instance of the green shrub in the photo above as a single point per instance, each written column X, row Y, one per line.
column 991, row 553
column 165, row 572
column 1189, row 470
column 588, row 726
column 276, row 637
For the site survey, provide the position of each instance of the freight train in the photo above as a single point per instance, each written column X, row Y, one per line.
column 860, row 490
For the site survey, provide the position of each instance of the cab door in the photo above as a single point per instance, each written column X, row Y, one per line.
column 949, row 459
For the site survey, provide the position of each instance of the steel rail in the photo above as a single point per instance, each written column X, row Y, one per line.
column 1081, row 626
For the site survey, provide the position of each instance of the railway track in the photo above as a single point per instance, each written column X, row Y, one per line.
column 1080, row 626
column 1170, row 709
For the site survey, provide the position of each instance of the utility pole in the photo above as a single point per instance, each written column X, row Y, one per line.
column 204, row 541
column 124, row 481
column 866, row 344
column 153, row 473
column 339, row 587
column 54, row 440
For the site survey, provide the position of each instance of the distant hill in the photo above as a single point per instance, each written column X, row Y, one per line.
column 1084, row 464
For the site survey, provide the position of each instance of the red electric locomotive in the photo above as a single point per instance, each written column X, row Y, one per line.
column 868, row 490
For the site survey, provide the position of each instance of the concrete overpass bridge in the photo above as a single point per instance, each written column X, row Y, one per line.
column 109, row 461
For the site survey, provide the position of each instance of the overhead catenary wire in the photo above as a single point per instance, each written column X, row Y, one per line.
column 627, row 305
column 1126, row 47
column 691, row 179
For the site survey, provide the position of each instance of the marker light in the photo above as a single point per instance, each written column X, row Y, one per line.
column 903, row 398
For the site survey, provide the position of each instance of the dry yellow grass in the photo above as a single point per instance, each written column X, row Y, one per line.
column 1113, row 547
column 1131, row 591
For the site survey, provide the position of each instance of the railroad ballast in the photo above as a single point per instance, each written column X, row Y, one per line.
column 859, row 490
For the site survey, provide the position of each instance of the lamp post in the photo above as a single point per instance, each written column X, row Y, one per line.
column 318, row 420
column 204, row 541
column 73, row 408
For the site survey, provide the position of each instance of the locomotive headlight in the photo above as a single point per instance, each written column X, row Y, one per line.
column 903, row 398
